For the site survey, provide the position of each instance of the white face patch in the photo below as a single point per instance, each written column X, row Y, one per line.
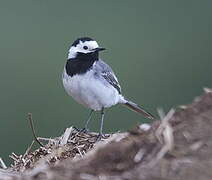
column 83, row 47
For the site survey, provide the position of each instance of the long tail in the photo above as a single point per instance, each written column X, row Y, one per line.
column 131, row 105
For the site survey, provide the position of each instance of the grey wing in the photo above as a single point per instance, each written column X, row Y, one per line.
column 107, row 73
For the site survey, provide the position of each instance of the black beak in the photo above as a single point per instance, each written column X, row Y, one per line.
column 98, row 49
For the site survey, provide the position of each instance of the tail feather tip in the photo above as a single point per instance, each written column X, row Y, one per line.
column 138, row 109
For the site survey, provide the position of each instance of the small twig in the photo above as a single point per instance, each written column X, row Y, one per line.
column 33, row 129
column 14, row 157
column 2, row 164
column 164, row 124
column 165, row 130
column 79, row 151
column 29, row 148
column 65, row 136
column 161, row 113
column 55, row 140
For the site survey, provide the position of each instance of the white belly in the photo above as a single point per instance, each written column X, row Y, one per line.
column 90, row 92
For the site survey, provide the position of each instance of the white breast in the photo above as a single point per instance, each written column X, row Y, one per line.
column 86, row 89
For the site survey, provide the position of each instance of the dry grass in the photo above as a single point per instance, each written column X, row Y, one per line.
column 72, row 144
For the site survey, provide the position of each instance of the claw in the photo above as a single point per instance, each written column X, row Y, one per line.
column 84, row 130
column 77, row 129
column 101, row 136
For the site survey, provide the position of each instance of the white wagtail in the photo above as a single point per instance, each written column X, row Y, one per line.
column 91, row 82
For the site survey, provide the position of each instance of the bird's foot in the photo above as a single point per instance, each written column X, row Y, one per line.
column 101, row 136
column 84, row 130
column 77, row 129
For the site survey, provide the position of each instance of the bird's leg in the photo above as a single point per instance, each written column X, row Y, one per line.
column 88, row 120
column 101, row 125
column 85, row 129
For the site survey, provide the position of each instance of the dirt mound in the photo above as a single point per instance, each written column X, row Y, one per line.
column 178, row 146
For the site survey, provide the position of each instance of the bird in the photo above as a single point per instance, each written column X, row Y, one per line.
column 92, row 82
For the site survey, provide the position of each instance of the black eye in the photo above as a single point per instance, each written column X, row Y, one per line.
column 85, row 47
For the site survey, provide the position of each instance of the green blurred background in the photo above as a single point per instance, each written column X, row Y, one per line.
column 160, row 50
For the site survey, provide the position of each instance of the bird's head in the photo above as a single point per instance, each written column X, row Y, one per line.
column 83, row 46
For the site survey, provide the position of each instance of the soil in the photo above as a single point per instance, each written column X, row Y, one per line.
column 178, row 146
